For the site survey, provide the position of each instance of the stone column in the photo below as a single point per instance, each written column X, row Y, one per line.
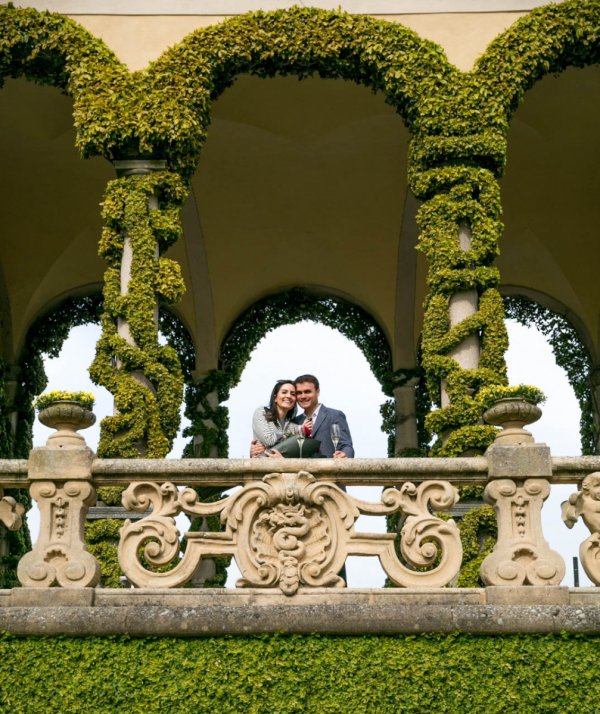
column 518, row 472
column 461, row 306
column 406, row 416
column 11, row 387
column 135, row 167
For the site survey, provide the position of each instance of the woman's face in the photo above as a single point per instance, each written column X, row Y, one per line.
column 286, row 397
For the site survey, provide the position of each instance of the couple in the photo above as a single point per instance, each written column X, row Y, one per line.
column 271, row 425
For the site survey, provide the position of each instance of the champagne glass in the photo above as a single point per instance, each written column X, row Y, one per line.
column 300, row 436
column 335, row 435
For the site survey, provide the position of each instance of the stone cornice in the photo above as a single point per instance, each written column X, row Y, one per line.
column 348, row 611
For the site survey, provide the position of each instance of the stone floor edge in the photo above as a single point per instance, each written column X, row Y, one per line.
column 196, row 613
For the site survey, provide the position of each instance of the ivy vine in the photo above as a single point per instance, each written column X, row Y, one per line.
column 147, row 416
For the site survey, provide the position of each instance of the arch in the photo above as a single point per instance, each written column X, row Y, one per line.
column 381, row 55
column 547, row 41
column 570, row 351
column 296, row 305
column 48, row 48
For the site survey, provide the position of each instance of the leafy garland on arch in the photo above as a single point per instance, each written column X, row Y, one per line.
column 570, row 353
column 298, row 304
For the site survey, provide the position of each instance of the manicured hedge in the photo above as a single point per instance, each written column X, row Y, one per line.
column 424, row 674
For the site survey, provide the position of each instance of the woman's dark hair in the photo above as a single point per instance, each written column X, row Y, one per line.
column 271, row 410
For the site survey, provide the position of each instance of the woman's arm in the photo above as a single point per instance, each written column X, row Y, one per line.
column 265, row 431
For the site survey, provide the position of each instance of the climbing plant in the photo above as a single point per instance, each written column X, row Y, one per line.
column 147, row 407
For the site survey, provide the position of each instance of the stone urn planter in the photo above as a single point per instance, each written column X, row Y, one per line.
column 512, row 414
column 67, row 417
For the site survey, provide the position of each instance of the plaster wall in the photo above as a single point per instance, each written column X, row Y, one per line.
column 137, row 40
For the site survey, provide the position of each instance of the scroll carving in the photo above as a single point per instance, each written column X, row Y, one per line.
column 521, row 555
column 11, row 512
column 586, row 503
column 60, row 557
column 290, row 530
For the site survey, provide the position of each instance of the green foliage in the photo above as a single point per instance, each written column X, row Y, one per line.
column 296, row 305
column 208, row 420
column 478, row 534
column 110, row 495
column 102, row 539
column 570, row 353
column 84, row 399
column 490, row 395
column 497, row 674
column 147, row 413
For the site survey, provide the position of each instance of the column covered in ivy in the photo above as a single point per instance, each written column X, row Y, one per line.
column 463, row 349
column 141, row 214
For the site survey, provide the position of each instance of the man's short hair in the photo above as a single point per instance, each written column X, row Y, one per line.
column 307, row 378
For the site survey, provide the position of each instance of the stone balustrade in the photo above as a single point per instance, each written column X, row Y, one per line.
column 295, row 526
column 290, row 524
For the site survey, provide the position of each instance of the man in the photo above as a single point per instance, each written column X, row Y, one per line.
column 317, row 421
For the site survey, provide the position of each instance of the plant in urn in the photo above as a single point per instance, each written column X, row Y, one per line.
column 512, row 408
column 67, row 412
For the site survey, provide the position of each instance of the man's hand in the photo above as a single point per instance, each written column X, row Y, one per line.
column 306, row 427
column 339, row 455
column 256, row 448
column 273, row 454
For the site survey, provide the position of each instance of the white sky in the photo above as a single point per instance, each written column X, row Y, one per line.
column 348, row 384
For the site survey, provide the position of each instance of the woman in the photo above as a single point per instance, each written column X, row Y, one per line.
column 274, row 423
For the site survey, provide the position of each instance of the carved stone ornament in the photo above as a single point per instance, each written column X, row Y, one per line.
column 11, row 512
column 59, row 557
column 521, row 555
column 586, row 503
column 290, row 530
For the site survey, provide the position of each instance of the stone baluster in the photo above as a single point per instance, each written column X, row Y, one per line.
column 61, row 484
column 518, row 472
column 463, row 305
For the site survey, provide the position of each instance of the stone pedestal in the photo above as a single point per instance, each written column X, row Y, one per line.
column 60, row 478
column 518, row 487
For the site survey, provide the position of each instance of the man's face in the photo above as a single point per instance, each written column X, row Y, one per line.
column 307, row 396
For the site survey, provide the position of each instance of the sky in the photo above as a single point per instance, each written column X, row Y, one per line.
column 348, row 384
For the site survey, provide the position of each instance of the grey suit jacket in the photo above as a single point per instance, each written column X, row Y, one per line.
column 322, row 431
